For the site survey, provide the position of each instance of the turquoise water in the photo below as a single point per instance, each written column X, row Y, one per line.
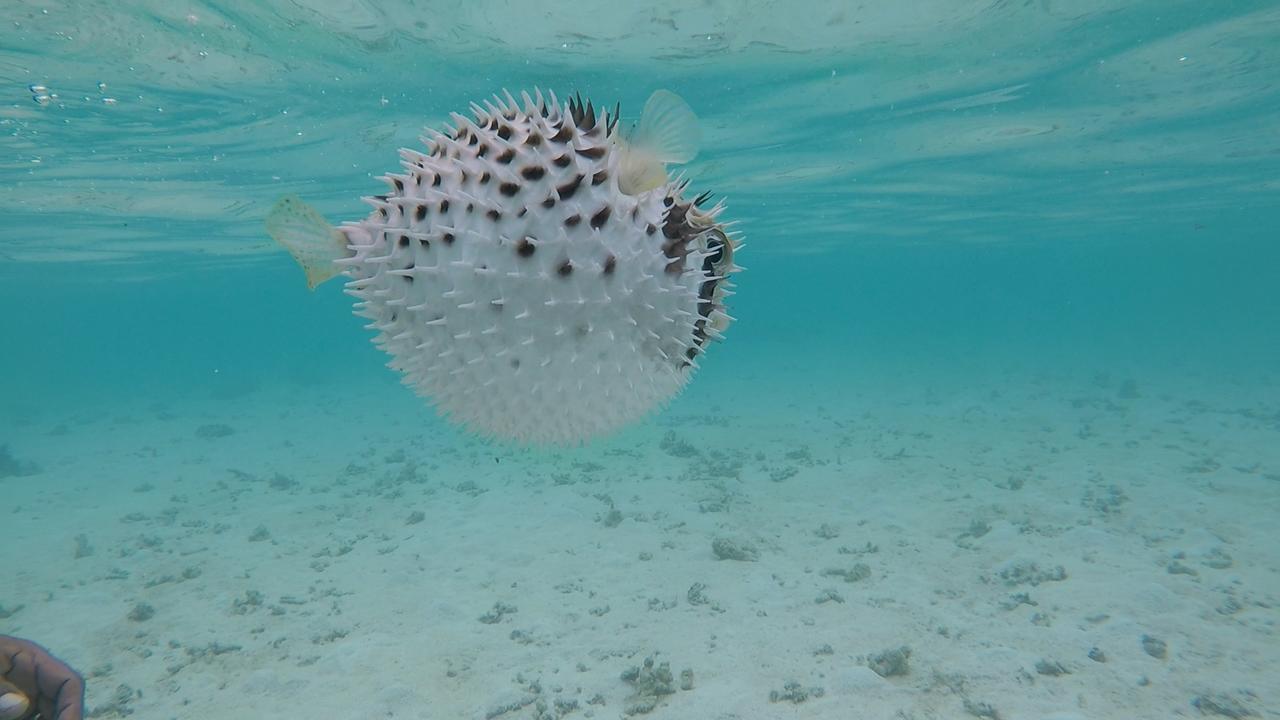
column 1058, row 218
column 1033, row 181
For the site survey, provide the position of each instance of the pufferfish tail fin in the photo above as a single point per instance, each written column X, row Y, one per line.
column 312, row 241
column 667, row 133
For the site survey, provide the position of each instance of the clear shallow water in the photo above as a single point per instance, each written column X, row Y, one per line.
column 940, row 200
column 1071, row 167
column 952, row 122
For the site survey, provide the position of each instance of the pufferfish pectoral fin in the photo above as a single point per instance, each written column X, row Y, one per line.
column 312, row 241
column 667, row 133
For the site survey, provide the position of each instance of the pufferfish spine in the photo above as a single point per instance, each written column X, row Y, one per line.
column 533, row 274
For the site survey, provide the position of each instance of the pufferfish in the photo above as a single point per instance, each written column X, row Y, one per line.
column 534, row 274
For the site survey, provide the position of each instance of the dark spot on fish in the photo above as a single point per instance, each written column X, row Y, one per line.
column 567, row 190
column 610, row 264
column 382, row 213
column 403, row 241
column 471, row 207
column 600, row 218
column 408, row 279
column 534, row 139
column 595, row 153
column 444, row 206
column 691, row 353
column 523, row 212
column 565, row 269
column 506, row 156
column 668, row 201
column 572, row 220
column 435, row 181
column 494, row 215
column 650, row 229
column 562, row 161
column 599, row 177
column 533, row 172
column 473, row 140
column 508, row 189
column 399, row 184
column 563, row 135
column 380, row 198
column 525, row 247
column 504, row 132
column 420, row 213
column 549, row 203
column 424, row 243
column 447, row 238
column 515, row 363
column 484, row 177
column 493, row 123
column 482, row 151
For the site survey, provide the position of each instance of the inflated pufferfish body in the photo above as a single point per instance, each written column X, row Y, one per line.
column 534, row 274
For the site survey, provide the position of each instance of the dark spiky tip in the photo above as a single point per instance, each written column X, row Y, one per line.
column 582, row 113
column 611, row 122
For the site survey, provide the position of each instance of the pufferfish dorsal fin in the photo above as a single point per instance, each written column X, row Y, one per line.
column 667, row 133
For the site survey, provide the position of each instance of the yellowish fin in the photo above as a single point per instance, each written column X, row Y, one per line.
column 667, row 133
column 312, row 241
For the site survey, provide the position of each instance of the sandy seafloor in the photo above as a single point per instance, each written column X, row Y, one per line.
column 1010, row 526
